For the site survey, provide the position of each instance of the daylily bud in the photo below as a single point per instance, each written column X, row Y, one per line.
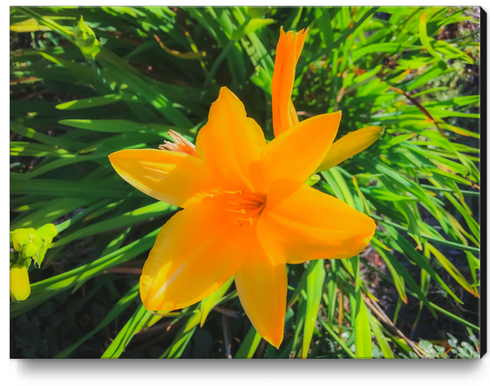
column 312, row 180
column 33, row 247
column 46, row 234
column 20, row 287
column 33, row 244
column 86, row 40
column 19, row 238
column 47, row 231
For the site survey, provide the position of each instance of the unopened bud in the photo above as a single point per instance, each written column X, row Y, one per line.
column 86, row 40
column 20, row 287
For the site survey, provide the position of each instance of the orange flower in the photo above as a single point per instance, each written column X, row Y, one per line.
column 246, row 211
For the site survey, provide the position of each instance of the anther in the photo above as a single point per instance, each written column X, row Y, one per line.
column 180, row 145
column 234, row 192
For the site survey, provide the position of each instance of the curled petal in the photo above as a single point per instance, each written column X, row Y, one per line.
column 349, row 145
column 288, row 51
column 298, row 152
column 262, row 288
column 168, row 176
column 300, row 223
column 230, row 143
column 196, row 251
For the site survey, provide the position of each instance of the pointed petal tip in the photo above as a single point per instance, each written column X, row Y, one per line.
column 225, row 92
column 116, row 157
column 119, row 155
column 350, row 145
column 225, row 97
column 301, row 32
column 380, row 130
column 370, row 230
column 224, row 89
column 275, row 341
column 113, row 156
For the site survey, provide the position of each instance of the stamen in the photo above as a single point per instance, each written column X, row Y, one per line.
column 241, row 211
column 233, row 192
column 181, row 144
column 253, row 212
column 245, row 204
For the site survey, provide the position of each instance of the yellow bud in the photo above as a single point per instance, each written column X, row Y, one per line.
column 312, row 180
column 20, row 287
column 47, row 231
column 86, row 40
column 32, row 248
column 20, row 237
column 46, row 234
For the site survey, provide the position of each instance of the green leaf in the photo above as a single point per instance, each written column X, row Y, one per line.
column 249, row 345
column 97, row 101
column 128, row 218
column 403, row 273
column 380, row 338
column 140, row 320
column 250, row 27
column 361, row 328
column 47, row 187
column 212, row 300
column 424, row 38
column 184, row 336
column 398, row 280
column 314, row 287
column 29, row 25
column 113, row 125
column 451, row 269
column 337, row 339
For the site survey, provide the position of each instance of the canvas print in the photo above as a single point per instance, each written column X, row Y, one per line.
column 245, row 182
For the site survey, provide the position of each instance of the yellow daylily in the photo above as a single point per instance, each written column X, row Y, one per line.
column 284, row 114
column 247, row 211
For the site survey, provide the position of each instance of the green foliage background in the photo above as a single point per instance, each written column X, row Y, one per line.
column 412, row 70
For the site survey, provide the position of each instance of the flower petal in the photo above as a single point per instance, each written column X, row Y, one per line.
column 301, row 223
column 168, row 176
column 262, row 288
column 288, row 50
column 298, row 152
column 230, row 143
column 196, row 251
column 349, row 145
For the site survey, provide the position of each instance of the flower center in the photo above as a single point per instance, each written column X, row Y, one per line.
column 244, row 207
